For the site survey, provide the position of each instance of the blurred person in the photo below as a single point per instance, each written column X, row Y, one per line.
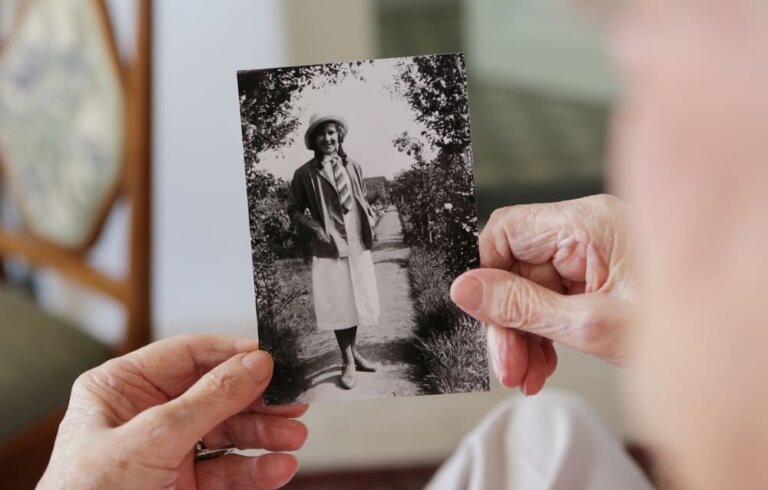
column 344, row 290
column 690, row 155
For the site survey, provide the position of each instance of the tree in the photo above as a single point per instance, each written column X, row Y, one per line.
column 267, row 101
column 436, row 89
column 437, row 199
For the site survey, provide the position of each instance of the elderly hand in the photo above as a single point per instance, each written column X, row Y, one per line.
column 549, row 272
column 133, row 422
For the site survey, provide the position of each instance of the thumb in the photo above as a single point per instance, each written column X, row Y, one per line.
column 591, row 323
column 170, row 430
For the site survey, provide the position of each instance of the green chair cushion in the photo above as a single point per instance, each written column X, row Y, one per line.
column 40, row 358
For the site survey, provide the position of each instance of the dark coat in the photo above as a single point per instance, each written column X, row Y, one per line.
column 313, row 189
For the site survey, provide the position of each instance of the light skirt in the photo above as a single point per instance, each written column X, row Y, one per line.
column 345, row 291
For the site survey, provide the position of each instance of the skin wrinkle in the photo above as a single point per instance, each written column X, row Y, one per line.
column 102, row 385
column 568, row 260
column 173, row 387
column 130, row 374
column 516, row 310
column 137, row 458
column 541, row 246
column 501, row 247
column 226, row 384
column 135, row 405
column 502, row 251
column 596, row 270
column 199, row 368
column 84, row 386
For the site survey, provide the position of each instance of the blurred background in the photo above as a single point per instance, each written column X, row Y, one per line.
column 540, row 93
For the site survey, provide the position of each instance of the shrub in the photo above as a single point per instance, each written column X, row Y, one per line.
column 455, row 358
column 450, row 345
column 282, row 332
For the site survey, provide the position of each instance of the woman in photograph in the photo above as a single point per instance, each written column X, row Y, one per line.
column 331, row 187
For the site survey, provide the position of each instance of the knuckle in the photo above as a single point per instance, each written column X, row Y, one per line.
column 590, row 330
column 224, row 383
column 85, row 383
column 606, row 199
column 94, row 379
column 496, row 215
column 186, row 337
column 519, row 305
column 591, row 334
column 85, row 379
column 605, row 202
column 500, row 217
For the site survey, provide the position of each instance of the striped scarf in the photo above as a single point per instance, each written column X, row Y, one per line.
column 343, row 185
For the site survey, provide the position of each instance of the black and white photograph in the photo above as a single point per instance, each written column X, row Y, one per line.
column 362, row 211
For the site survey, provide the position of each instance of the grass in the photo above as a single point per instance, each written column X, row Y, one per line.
column 451, row 346
column 282, row 335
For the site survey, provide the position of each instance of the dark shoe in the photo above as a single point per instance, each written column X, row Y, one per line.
column 347, row 376
column 363, row 365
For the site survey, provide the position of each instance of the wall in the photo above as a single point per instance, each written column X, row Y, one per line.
column 541, row 44
column 202, row 254
column 321, row 31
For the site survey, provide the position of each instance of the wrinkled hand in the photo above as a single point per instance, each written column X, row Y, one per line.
column 550, row 272
column 133, row 422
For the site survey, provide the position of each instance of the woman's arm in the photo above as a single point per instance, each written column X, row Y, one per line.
column 297, row 203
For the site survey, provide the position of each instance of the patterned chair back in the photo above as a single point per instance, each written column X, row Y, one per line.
column 74, row 141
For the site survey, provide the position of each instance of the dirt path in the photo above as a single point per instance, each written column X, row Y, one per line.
column 385, row 344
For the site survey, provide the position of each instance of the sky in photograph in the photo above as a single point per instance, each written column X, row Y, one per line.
column 375, row 118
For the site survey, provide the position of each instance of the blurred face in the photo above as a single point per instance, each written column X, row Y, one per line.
column 690, row 154
column 326, row 139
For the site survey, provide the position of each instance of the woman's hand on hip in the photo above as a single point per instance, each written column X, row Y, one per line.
column 550, row 272
column 321, row 235
column 133, row 422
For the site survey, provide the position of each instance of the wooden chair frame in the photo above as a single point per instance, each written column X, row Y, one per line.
column 26, row 454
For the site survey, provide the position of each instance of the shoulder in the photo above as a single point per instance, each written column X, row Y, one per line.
column 355, row 165
column 304, row 170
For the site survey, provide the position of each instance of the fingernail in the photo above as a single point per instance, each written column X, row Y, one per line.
column 259, row 364
column 467, row 292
